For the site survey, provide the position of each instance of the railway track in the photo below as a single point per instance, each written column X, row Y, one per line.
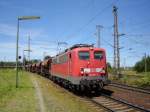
column 116, row 105
column 136, row 89
column 105, row 103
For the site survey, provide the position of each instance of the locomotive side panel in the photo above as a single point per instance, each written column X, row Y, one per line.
column 60, row 65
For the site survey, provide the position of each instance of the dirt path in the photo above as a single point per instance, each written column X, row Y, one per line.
column 38, row 94
column 53, row 98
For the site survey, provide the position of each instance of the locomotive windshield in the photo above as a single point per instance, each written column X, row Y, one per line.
column 98, row 54
column 84, row 55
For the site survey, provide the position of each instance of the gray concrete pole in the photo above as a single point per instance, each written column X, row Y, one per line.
column 145, row 63
column 98, row 27
column 17, row 40
column 29, row 48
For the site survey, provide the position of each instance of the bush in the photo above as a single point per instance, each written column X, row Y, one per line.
column 109, row 68
column 144, row 81
column 140, row 65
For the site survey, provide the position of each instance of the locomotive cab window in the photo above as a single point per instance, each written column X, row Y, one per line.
column 84, row 55
column 98, row 55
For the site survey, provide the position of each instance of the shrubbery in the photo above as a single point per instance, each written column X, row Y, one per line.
column 144, row 81
column 109, row 68
column 140, row 65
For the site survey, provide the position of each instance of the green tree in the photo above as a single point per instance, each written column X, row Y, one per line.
column 140, row 65
column 109, row 68
column 35, row 60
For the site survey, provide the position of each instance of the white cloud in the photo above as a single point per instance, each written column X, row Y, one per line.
column 8, row 50
column 38, row 47
column 11, row 30
column 7, row 30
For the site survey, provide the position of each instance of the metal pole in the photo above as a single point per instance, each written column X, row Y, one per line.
column 98, row 35
column 116, row 43
column 17, row 40
column 29, row 48
column 98, row 27
column 44, row 54
column 5, row 64
column 115, row 60
column 23, row 59
column 145, row 63
column 124, row 63
column 58, row 48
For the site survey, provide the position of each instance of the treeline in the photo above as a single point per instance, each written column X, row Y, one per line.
column 25, row 62
column 13, row 64
column 4, row 64
column 143, row 64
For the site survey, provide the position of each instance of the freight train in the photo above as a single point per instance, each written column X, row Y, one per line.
column 79, row 67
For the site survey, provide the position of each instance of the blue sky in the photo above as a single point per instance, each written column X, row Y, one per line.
column 74, row 21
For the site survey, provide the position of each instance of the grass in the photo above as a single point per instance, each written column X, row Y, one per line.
column 24, row 99
column 133, row 78
column 144, row 81
column 14, row 99
column 56, row 99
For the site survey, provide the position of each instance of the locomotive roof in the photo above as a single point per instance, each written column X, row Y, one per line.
column 80, row 45
column 76, row 46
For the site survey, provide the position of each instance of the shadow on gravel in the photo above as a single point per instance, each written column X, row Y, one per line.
column 107, row 92
column 87, row 93
column 91, row 94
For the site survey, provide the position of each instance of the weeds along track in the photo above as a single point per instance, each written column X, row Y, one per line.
column 131, row 88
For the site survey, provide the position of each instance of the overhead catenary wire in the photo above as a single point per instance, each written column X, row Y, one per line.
column 145, row 22
column 108, row 43
column 91, row 20
column 137, row 42
column 139, row 35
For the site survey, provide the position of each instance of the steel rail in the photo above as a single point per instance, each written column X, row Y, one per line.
column 99, row 104
column 127, row 103
column 119, row 101
column 132, row 88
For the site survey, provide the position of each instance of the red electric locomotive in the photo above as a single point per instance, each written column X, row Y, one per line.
column 81, row 66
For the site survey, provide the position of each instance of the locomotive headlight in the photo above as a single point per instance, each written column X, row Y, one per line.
column 86, row 70
column 82, row 70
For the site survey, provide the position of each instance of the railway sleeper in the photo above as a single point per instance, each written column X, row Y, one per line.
column 121, row 108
